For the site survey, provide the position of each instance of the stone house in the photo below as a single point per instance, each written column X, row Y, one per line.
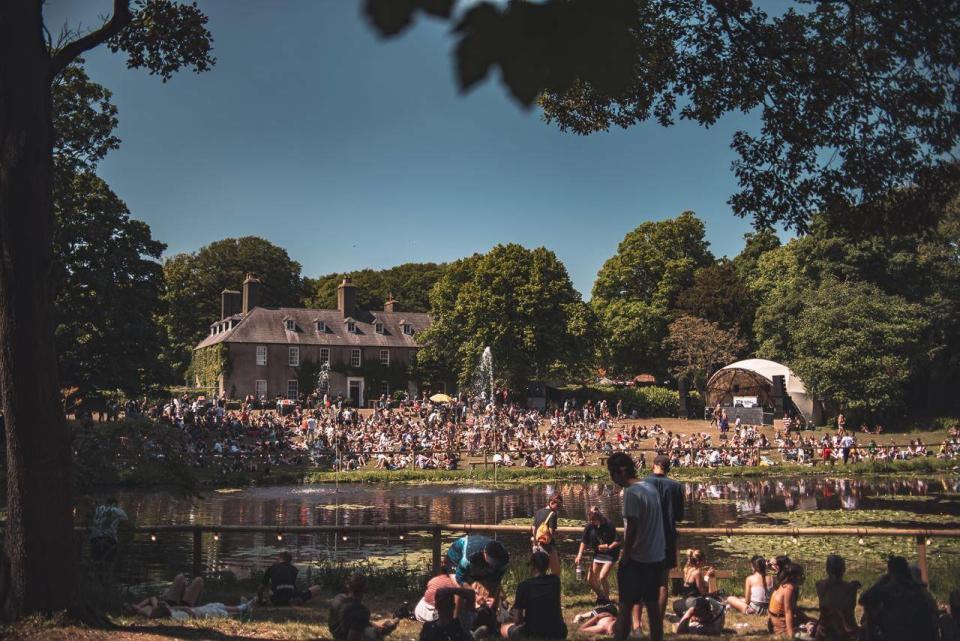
column 270, row 352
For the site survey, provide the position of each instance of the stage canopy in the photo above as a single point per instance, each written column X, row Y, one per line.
column 754, row 377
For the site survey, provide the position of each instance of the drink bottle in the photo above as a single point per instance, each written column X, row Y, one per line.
column 579, row 572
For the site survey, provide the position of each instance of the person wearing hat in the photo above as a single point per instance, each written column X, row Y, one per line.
column 536, row 611
column 671, row 507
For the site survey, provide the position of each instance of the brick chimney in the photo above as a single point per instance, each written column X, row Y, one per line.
column 251, row 293
column 230, row 303
column 346, row 297
column 391, row 304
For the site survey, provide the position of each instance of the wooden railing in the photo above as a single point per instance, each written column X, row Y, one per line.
column 436, row 531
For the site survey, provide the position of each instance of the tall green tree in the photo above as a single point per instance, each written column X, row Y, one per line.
column 917, row 267
column 410, row 284
column 519, row 302
column 637, row 289
column 698, row 348
column 108, row 292
column 161, row 36
column 859, row 347
column 108, row 279
column 717, row 294
column 194, row 283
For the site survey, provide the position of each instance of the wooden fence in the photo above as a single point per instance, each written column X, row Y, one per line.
column 436, row 531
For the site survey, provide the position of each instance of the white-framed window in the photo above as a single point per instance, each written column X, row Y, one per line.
column 321, row 327
column 355, row 358
column 290, row 324
column 260, row 387
column 292, row 389
column 385, row 388
column 324, row 355
column 351, row 327
column 378, row 327
column 261, row 354
column 408, row 329
column 384, row 356
column 293, row 356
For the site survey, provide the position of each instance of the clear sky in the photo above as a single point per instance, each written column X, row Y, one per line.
column 351, row 151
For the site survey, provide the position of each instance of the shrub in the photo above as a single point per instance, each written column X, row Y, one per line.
column 647, row 401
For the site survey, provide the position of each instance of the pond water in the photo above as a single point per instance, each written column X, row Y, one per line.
column 793, row 502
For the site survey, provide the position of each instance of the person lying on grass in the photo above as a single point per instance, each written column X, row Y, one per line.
column 180, row 600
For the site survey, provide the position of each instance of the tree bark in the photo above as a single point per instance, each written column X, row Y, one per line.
column 39, row 541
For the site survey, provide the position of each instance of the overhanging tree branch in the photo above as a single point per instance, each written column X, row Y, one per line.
column 65, row 55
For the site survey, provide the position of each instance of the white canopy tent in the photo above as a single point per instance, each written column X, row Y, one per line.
column 754, row 377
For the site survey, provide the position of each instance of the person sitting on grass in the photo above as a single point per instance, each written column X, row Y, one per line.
column 785, row 618
column 897, row 607
column 179, row 602
column 426, row 609
column 350, row 618
column 536, row 609
column 705, row 616
column 756, row 590
column 448, row 626
column 838, row 600
column 281, row 579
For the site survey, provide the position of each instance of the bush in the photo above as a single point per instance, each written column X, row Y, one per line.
column 647, row 401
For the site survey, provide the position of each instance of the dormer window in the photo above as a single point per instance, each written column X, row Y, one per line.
column 290, row 324
column 351, row 327
column 378, row 327
column 407, row 329
column 321, row 326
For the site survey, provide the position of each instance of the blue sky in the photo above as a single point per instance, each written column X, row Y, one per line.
column 351, row 151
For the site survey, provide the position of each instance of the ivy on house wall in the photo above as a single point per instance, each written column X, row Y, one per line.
column 207, row 366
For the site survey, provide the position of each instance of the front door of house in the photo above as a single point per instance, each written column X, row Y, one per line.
column 355, row 391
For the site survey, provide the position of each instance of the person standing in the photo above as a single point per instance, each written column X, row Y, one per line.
column 641, row 558
column 104, row 536
column 600, row 536
column 544, row 528
column 671, row 507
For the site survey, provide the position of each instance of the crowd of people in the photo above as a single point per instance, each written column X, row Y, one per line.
column 466, row 599
column 420, row 434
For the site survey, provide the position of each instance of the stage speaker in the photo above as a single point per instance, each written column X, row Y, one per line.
column 779, row 392
column 684, row 399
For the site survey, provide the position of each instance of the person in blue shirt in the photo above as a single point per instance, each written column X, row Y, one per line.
column 476, row 558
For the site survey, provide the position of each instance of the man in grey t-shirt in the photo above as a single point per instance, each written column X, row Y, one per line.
column 641, row 558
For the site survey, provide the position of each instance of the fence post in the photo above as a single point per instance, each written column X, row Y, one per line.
column 922, row 559
column 197, row 550
column 436, row 548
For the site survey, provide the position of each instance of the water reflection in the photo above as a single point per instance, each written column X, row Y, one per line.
column 725, row 503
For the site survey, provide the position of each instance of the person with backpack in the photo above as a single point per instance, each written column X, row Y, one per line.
column 545, row 522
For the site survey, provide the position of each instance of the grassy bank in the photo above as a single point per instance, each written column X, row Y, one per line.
column 310, row 620
column 917, row 467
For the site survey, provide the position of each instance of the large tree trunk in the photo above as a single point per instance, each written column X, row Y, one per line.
column 39, row 541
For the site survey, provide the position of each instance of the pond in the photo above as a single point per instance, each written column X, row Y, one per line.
column 793, row 502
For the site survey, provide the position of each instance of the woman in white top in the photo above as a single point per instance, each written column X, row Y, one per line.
column 756, row 590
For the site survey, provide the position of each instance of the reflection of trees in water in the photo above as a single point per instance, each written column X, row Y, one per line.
column 722, row 503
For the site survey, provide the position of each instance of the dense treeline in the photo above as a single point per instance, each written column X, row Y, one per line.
column 865, row 310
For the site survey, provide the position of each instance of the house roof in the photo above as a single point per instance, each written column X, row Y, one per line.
column 263, row 325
